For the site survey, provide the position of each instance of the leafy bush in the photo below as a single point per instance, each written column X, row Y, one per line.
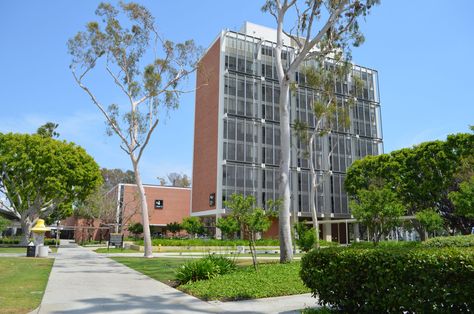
column 391, row 280
column 452, row 241
column 208, row 242
column 205, row 268
column 50, row 241
column 306, row 237
column 225, row 265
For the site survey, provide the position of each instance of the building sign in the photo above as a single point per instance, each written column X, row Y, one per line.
column 212, row 199
column 158, row 204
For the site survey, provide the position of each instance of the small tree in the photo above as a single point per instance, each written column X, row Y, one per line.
column 48, row 130
column 229, row 226
column 174, row 227
column 193, row 226
column 112, row 177
column 4, row 224
column 305, row 237
column 463, row 199
column 136, row 228
column 144, row 88
column 379, row 209
column 251, row 219
column 430, row 220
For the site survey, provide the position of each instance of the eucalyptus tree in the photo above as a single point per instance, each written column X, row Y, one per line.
column 320, row 29
column 40, row 177
column 147, row 71
column 329, row 112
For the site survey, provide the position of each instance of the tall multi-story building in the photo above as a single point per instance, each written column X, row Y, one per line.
column 237, row 133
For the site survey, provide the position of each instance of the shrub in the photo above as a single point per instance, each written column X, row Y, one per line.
column 306, row 237
column 391, row 280
column 50, row 241
column 225, row 265
column 205, row 268
column 452, row 241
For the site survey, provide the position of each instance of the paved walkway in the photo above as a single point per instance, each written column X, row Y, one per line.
column 82, row 281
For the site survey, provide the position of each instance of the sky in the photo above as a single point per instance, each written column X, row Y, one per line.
column 422, row 50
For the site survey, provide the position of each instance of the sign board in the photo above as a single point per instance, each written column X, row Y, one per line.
column 116, row 239
column 158, row 204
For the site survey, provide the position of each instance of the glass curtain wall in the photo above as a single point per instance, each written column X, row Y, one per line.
column 251, row 133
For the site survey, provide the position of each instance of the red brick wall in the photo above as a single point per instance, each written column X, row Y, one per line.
column 205, row 129
column 176, row 202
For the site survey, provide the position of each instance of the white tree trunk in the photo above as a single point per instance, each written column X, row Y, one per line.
column 144, row 211
column 312, row 191
column 286, row 253
column 26, row 225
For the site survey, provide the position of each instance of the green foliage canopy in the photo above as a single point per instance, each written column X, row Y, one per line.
column 136, row 228
column 421, row 176
column 463, row 199
column 192, row 225
column 229, row 226
column 174, row 227
column 378, row 208
column 430, row 220
column 40, row 176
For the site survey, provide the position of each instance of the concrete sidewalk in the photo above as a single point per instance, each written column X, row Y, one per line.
column 82, row 281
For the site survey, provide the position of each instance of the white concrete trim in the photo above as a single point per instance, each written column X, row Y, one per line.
column 158, row 186
column 208, row 212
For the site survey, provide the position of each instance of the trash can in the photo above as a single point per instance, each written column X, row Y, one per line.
column 43, row 251
column 30, row 251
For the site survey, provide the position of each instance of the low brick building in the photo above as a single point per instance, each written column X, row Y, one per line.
column 166, row 204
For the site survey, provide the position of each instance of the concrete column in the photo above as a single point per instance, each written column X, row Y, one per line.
column 218, row 231
column 356, row 232
column 327, row 232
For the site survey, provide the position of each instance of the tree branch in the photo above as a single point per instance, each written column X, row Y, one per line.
column 99, row 106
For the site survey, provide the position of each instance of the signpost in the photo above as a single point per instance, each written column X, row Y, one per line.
column 115, row 239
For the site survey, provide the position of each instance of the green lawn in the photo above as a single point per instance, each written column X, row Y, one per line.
column 270, row 280
column 22, row 283
column 115, row 250
column 20, row 249
column 162, row 269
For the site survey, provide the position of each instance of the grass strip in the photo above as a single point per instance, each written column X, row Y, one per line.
column 23, row 282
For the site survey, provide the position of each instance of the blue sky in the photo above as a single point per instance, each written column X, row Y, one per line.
column 422, row 50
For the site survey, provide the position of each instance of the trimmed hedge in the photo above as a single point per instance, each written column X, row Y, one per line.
column 16, row 241
column 391, row 280
column 385, row 245
column 9, row 241
column 452, row 241
column 208, row 242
